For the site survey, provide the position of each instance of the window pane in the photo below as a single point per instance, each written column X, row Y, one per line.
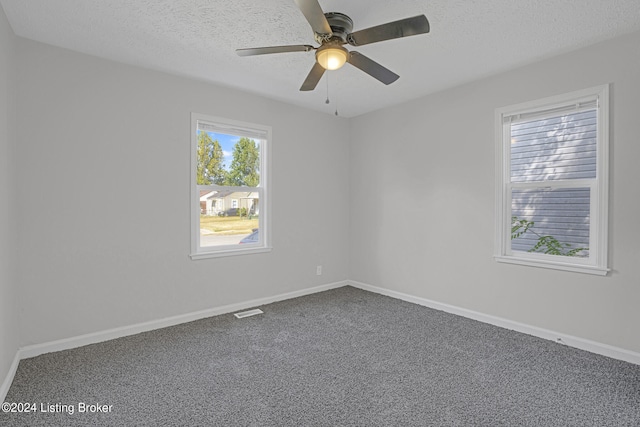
column 555, row 222
column 228, row 217
column 561, row 147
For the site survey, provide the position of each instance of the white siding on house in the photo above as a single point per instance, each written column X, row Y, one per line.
column 562, row 213
column 561, row 147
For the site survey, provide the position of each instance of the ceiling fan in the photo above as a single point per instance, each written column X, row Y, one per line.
column 333, row 30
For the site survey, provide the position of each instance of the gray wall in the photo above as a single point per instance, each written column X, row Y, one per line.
column 8, row 230
column 104, row 196
column 434, row 158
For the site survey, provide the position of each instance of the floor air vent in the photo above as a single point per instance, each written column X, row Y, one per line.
column 244, row 314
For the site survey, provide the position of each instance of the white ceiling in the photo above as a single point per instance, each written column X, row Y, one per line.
column 469, row 39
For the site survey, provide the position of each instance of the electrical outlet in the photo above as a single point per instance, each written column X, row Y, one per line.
column 319, row 270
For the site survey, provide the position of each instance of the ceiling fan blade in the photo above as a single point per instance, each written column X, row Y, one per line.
column 313, row 12
column 274, row 49
column 313, row 78
column 372, row 68
column 391, row 30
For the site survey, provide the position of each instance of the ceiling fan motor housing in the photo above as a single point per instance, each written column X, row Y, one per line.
column 341, row 26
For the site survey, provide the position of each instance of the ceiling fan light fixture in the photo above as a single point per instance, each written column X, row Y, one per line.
column 332, row 57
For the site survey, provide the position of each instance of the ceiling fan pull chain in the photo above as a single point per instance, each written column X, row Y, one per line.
column 336, row 102
column 327, row 101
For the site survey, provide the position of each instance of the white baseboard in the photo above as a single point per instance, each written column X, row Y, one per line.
column 95, row 337
column 4, row 389
column 581, row 343
column 92, row 338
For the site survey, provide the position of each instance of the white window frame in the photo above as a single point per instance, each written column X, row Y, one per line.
column 242, row 129
column 596, row 262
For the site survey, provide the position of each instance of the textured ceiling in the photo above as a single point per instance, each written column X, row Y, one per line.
column 469, row 39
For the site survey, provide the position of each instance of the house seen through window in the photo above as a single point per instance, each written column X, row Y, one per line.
column 552, row 182
column 229, row 190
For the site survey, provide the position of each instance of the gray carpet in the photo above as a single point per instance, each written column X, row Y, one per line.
column 344, row 357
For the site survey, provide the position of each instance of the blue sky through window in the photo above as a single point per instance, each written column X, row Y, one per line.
column 227, row 142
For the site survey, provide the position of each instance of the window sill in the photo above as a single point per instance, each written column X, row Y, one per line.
column 231, row 252
column 587, row 269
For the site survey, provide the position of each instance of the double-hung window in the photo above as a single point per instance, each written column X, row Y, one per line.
column 229, row 187
column 552, row 182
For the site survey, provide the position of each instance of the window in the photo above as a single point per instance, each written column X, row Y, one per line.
column 229, row 187
column 552, row 182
